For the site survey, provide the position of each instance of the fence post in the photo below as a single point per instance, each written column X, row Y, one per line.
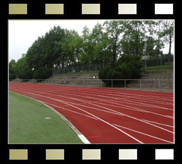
column 140, row 84
column 125, row 83
column 112, row 83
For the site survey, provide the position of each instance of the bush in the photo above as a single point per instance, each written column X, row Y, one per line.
column 25, row 75
column 127, row 67
column 12, row 76
column 42, row 73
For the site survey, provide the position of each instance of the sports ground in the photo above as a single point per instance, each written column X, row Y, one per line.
column 106, row 115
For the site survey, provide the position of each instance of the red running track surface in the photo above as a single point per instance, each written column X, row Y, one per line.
column 105, row 115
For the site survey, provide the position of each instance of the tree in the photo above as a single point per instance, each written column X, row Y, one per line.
column 76, row 46
column 86, row 48
column 133, row 38
column 167, row 34
column 56, row 34
column 43, row 52
column 150, row 49
column 36, row 55
column 155, row 30
column 113, row 31
column 12, row 69
column 99, row 42
column 23, row 70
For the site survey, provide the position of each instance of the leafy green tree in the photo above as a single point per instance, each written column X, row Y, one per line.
column 76, row 45
column 42, row 53
column 69, row 48
column 150, row 49
column 156, row 31
column 51, row 55
column 106, row 42
column 86, row 48
column 133, row 38
column 168, row 34
column 23, row 70
column 113, row 31
column 12, row 69
column 36, row 55
column 99, row 43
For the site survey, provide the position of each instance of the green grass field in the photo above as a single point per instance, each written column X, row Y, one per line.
column 27, row 123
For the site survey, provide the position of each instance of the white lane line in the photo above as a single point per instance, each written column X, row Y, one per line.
column 80, row 135
column 118, row 93
column 134, row 118
column 106, row 123
column 142, row 104
column 131, row 95
column 83, row 138
column 117, row 107
column 65, row 92
column 159, row 123
column 126, row 106
column 109, row 110
column 93, row 116
column 120, row 98
column 116, row 113
column 118, row 102
column 71, row 110
column 139, row 103
column 144, row 134
column 128, row 116
column 121, row 114
column 137, row 109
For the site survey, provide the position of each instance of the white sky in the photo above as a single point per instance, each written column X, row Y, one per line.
column 22, row 33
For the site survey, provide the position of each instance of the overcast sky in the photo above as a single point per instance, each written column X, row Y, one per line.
column 22, row 33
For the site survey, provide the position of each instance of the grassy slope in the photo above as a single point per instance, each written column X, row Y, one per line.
column 27, row 123
column 153, row 68
column 160, row 68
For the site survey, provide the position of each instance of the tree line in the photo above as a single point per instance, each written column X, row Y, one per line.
column 105, row 43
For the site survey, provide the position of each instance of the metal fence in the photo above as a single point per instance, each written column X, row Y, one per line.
column 110, row 83
column 80, row 68
column 161, row 63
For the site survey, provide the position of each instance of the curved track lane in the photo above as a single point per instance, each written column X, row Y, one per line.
column 109, row 115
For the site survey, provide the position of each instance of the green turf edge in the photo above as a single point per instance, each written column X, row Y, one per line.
column 27, row 123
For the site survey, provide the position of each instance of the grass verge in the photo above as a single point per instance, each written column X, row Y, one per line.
column 27, row 123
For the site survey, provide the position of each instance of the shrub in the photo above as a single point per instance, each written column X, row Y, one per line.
column 127, row 67
column 25, row 75
column 12, row 76
column 42, row 73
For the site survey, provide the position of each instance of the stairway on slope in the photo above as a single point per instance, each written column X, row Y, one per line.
column 90, row 79
column 154, row 80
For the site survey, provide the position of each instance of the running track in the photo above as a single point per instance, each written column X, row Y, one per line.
column 109, row 115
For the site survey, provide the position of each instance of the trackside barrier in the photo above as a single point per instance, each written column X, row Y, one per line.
column 119, row 83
